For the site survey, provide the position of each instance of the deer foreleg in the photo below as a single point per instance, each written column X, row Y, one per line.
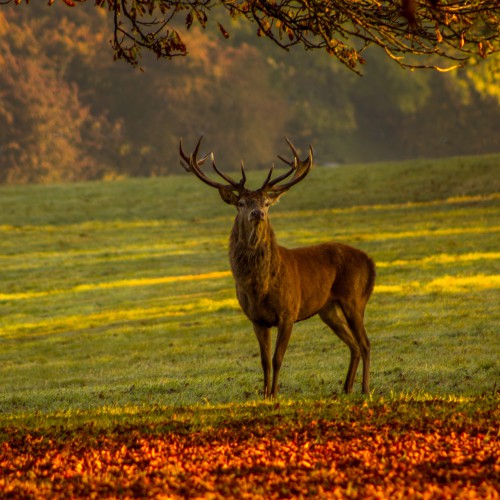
column 353, row 367
column 264, row 337
column 284, row 332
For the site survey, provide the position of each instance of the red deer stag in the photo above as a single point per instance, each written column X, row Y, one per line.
column 276, row 286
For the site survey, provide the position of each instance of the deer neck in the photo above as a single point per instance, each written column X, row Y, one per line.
column 254, row 255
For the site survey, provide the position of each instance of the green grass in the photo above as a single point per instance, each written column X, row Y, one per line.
column 102, row 310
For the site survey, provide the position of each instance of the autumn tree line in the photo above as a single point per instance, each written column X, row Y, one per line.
column 69, row 112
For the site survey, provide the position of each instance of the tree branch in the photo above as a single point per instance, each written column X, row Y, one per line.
column 413, row 33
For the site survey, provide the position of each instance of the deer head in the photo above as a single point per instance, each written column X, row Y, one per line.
column 252, row 205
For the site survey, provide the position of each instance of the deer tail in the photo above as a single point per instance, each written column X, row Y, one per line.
column 370, row 281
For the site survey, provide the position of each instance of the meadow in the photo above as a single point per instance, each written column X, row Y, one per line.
column 117, row 305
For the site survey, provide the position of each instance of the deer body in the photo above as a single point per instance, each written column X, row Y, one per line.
column 277, row 287
column 299, row 289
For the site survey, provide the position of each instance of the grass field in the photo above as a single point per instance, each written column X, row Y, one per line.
column 116, row 304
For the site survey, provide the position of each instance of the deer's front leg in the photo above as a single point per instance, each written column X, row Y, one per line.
column 284, row 332
column 264, row 337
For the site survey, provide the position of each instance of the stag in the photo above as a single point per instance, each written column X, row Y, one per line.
column 277, row 286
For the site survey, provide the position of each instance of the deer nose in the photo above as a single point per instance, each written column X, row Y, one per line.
column 257, row 214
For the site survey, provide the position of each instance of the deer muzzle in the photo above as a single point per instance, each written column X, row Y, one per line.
column 257, row 215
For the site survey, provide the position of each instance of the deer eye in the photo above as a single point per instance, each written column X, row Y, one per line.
column 241, row 203
column 267, row 203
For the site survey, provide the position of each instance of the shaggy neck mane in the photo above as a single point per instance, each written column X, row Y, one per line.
column 253, row 252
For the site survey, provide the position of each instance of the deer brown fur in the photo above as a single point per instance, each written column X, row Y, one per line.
column 277, row 287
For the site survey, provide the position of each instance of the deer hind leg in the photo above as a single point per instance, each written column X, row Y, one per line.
column 264, row 337
column 333, row 315
column 358, row 328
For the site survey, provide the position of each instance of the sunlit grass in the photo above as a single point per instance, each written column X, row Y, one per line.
column 119, row 284
column 442, row 259
column 452, row 284
column 445, row 284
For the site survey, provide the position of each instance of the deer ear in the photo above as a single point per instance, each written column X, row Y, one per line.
column 275, row 196
column 228, row 196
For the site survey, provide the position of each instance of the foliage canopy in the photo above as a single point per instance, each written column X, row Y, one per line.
column 68, row 113
column 404, row 29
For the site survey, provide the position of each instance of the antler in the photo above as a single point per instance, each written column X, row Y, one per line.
column 192, row 164
column 300, row 168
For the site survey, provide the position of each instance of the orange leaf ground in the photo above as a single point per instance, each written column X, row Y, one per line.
column 401, row 458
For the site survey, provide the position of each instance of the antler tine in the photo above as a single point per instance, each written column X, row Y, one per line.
column 296, row 159
column 301, row 169
column 243, row 175
column 293, row 164
column 283, row 176
column 268, row 178
column 192, row 164
column 192, row 156
column 232, row 182
column 185, row 157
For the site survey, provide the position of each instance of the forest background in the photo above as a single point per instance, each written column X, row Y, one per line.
column 68, row 112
